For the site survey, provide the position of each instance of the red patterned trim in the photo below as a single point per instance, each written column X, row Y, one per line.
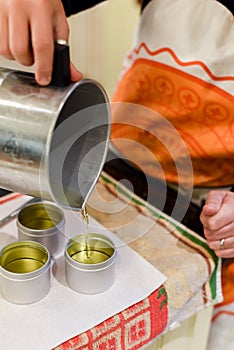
column 222, row 312
column 130, row 329
column 181, row 63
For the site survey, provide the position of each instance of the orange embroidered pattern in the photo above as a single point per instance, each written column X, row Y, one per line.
column 201, row 112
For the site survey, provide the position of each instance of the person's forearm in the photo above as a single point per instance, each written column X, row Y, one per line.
column 74, row 6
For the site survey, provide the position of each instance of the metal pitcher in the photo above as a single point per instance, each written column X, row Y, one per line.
column 54, row 139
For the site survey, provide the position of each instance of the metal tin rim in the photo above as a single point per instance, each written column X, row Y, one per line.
column 91, row 267
column 41, row 232
column 27, row 275
column 16, row 276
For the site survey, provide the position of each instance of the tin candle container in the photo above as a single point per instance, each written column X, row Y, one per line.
column 90, row 263
column 24, row 272
column 42, row 222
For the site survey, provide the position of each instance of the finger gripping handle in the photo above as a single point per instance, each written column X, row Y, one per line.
column 61, row 65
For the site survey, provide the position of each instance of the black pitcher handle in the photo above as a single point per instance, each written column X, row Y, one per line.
column 61, row 65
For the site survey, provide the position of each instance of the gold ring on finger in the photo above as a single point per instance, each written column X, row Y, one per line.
column 222, row 244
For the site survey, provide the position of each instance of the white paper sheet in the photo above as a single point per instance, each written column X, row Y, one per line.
column 64, row 313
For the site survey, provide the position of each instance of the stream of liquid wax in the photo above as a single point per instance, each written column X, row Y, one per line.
column 85, row 217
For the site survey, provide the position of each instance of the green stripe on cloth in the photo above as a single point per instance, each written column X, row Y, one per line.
column 160, row 216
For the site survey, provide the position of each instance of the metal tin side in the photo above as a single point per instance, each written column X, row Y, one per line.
column 85, row 277
column 24, row 272
column 43, row 222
